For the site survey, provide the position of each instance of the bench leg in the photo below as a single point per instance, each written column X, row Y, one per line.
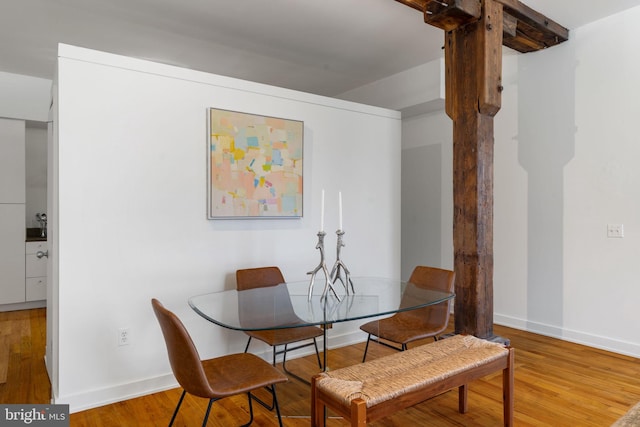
column 507, row 390
column 317, row 408
column 358, row 413
column 462, row 398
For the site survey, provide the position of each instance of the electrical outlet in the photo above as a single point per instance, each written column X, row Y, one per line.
column 615, row 230
column 124, row 336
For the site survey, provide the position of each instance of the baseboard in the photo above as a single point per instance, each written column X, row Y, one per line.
column 23, row 305
column 108, row 395
column 597, row 341
column 105, row 396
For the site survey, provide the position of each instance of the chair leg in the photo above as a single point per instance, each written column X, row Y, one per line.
column 247, row 346
column 315, row 344
column 366, row 348
column 284, row 358
column 275, row 403
column 206, row 415
column 286, row 371
column 250, row 411
column 262, row 402
column 184, row 392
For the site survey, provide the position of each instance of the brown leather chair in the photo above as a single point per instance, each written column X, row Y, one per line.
column 260, row 277
column 407, row 326
column 217, row 378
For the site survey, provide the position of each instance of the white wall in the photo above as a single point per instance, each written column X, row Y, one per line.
column 130, row 224
column 427, row 161
column 24, row 97
column 601, row 186
column 566, row 150
column 575, row 142
column 427, row 204
column 511, row 214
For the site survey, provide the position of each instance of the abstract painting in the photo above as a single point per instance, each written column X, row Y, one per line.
column 254, row 166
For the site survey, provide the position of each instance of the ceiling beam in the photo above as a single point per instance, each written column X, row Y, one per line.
column 534, row 31
column 525, row 30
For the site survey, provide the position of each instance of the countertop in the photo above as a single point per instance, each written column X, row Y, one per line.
column 34, row 235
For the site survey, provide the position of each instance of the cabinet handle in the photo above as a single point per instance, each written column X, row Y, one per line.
column 40, row 254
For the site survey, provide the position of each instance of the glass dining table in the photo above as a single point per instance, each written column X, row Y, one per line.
column 291, row 305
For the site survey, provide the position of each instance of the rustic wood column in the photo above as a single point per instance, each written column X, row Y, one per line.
column 473, row 62
column 474, row 33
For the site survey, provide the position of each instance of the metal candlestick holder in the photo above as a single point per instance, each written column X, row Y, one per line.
column 322, row 266
column 339, row 266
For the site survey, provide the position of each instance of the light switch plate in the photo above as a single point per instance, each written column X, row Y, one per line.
column 615, row 230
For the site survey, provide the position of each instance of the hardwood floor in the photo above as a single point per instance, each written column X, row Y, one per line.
column 23, row 376
column 556, row 384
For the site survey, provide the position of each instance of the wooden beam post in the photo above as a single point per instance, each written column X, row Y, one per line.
column 473, row 63
column 474, row 33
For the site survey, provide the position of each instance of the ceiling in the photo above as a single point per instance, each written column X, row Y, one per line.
column 318, row 46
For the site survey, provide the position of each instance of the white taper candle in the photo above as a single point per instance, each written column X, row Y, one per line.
column 340, row 209
column 322, row 211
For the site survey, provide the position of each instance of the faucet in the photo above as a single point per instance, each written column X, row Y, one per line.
column 42, row 219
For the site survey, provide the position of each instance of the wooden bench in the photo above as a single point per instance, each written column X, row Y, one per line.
column 375, row 389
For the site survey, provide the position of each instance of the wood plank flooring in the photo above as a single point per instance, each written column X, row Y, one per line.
column 556, row 384
column 23, row 376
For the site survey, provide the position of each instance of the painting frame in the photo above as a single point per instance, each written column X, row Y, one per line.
column 254, row 166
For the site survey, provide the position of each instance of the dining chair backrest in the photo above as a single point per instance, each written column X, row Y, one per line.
column 266, row 306
column 273, row 304
column 259, row 277
column 183, row 355
column 437, row 279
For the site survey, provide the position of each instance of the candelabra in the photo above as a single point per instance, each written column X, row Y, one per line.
column 322, row 266
column 339, row 267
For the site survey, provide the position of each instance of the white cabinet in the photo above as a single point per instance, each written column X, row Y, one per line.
column 12, row 261
column 12, row 211
column 12, row 162
column 36, row 271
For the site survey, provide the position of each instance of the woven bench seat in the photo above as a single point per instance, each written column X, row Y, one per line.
column 377, row 388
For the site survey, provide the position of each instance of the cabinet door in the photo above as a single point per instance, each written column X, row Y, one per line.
column 36, row 288
column 36, row 267
column 12, row 161
column 32, row 248
column 12, row 262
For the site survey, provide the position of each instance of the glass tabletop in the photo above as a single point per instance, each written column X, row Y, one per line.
column 288, row 305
